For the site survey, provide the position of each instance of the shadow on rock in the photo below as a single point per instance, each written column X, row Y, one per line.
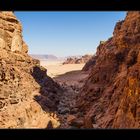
column 50, row 91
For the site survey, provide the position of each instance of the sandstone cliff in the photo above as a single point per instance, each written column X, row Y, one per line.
column 11, row 33
column 27, row 94
column 110, row 96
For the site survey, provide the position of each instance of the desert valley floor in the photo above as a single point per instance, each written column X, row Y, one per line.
column 71, row 78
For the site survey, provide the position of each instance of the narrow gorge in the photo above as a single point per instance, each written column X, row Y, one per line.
column 105, row 96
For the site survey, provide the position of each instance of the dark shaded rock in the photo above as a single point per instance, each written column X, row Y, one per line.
column 2, row 104
column 77, row 123
column 49, row 126
column 63, row 110
column 14, row 101
column 74, row 110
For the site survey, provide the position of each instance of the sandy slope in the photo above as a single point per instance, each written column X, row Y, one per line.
column 55, row 68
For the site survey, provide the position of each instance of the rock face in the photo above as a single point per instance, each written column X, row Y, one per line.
column 27, row 94
column 80, row 60
column 90, row 63
column 11, row 33
column 16, row 41
column 110, row 97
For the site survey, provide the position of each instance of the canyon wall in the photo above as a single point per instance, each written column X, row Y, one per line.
column 110, row 97
column 27, row 95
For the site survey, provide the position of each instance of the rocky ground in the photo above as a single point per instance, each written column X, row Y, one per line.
column 71, row 83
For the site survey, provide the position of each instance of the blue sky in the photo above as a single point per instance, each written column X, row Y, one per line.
column 67, row 33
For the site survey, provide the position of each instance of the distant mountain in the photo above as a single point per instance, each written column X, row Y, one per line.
column 44, row 57
column 74, row 56
column 53, row 57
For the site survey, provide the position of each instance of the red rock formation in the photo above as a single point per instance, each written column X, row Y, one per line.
column 80, row 60
column 110, row 96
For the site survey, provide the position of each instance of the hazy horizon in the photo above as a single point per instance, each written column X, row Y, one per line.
column 62, row 56
column 67, row 33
